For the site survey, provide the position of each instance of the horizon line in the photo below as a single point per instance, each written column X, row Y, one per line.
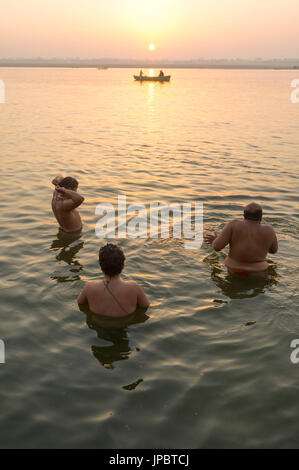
column 117, row 59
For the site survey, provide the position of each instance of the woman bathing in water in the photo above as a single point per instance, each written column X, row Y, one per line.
column 113, row 297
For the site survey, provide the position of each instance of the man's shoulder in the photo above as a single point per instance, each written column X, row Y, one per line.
column 237, row 226
column 235, row 223
column 268, row 229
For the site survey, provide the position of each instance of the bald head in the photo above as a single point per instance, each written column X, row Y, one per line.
column 253, row 211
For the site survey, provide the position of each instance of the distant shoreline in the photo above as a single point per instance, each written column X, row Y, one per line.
column 291, row 63
column 151, row 66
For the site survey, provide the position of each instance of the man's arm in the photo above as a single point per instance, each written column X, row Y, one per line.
column 57, row 180
column 219, row 242
column 274, row 245
column 74, row 199
column 82, row 297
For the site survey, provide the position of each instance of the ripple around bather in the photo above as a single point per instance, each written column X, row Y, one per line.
column 210, row 361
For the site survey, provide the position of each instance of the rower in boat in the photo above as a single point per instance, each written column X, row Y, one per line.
column 161, row 77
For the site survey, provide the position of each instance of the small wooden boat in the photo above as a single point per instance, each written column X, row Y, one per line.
column 144, row 78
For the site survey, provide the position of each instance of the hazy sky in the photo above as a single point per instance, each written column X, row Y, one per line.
column 180, row 29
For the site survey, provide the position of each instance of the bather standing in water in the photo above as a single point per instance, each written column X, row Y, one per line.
column 64, row 203
column 113, row 297
column 249, row 242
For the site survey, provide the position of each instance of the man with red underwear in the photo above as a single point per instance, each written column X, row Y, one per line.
column 249, row 242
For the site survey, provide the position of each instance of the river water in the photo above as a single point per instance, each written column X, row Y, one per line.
column 208, row 365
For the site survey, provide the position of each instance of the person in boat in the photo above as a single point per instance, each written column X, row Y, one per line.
column 65, row 201
column 113, row 297
column 140, row 73
column 161, row 74
column 249, row 242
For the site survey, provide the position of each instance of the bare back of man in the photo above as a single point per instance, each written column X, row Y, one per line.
column 118, row 298
column 249, row 245
column 249, row 242
column 64, row 203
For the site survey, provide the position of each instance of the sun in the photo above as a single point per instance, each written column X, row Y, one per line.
column 152, row 47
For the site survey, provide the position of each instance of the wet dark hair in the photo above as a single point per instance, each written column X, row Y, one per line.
column 253, row 215
column 69, row 183
column 111, row 259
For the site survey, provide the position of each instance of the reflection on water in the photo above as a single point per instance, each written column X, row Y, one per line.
column 113, row 330
column 68, row 246
column 183, row 141
column 237, row 287
column 133, row 385
column 151, row 93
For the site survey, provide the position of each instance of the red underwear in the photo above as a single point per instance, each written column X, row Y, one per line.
column 241, row 272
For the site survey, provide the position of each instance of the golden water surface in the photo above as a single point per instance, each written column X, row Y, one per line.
column 208, row 365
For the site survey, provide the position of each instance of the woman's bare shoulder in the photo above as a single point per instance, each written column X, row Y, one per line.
column 91, row 285
column 131, row 283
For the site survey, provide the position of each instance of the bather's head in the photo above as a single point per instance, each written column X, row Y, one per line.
column 253, row 211
column 111, row 259
column 69, row 183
